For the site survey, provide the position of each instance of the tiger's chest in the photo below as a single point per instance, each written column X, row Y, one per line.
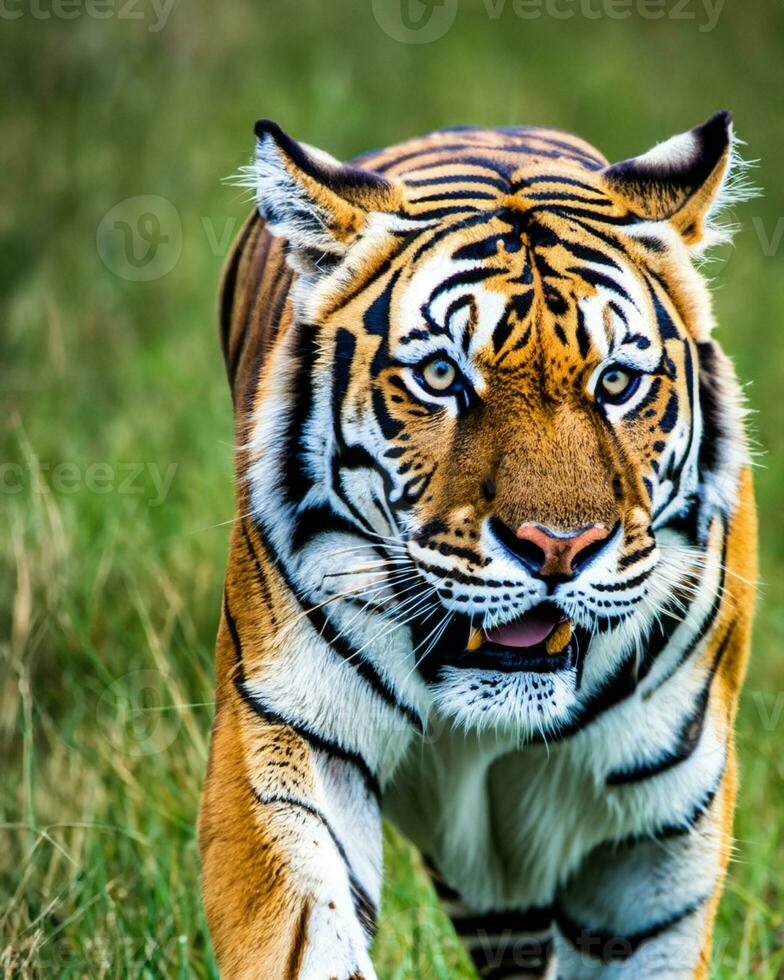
column 508, row 826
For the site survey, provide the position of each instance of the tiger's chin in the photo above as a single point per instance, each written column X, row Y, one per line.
column 524, row 704
column 522, row 678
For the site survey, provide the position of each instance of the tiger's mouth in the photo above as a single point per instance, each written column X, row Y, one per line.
column 542, row 640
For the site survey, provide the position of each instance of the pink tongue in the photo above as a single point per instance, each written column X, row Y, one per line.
column 527, row 631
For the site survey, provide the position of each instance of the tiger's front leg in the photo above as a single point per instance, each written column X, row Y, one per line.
column 290, row 823
column 280, row 896
column 645, row 907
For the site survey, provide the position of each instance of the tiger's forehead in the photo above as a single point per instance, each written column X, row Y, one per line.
column 498, row 294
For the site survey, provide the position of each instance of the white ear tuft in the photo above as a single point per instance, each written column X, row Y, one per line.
column 736, row 187
column 306, row 196
column 688, row 180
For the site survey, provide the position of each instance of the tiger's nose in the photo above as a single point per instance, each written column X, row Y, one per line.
column 552, row 553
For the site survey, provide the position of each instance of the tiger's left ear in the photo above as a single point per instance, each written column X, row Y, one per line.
column 316, row 203
column 683, row 180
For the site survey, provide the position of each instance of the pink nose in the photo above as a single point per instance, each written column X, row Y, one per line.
column 556, row 553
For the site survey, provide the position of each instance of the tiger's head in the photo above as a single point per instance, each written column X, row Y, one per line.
column 496, row 424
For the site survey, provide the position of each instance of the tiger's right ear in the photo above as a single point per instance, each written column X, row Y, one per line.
column 685, row 181
column 311, row 199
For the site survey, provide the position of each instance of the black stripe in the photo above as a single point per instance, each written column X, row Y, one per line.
column 280, row 303
column 714, row 415
column 441, row 233
column 360, row 286
column 513, row 149
column 364, row 908
column 609, row 948
column 376, row 321
column 430, row 150
column 390, row 427
column 240, row 347
column 546, row 134
column 552, row 179
column 619, row 312
column 667, row 328
column 583, row 337
column 500, row 168
column 677, row 474
column 261, row 575
column 534, row 919
column 345, row 347
column 588, row 254
column 636, row 556
column 573, row 214
column 640, row 342
column 661, row 633
column 454, row 195
column 318, row 519
column 629, row 583
column 229, row 287
column 618, row 686
column 414, row 489
column 464, row 278
column 670, row 415
column 706, row 624
column 341, row 646
column 596, row 278
column 501, row 185
column 274, row 718
column 485, row 248
column 598, row 202
column 650, row 397
column 296, row 479
column 672, row 829
column 433, row 213
column 688, row 737
column 235, row 639
column 519, row 307
column 321, row 744
column 652, row 244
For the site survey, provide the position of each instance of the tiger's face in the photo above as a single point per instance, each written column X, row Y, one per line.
column 507, row 404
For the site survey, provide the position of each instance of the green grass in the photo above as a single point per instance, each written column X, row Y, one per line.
column 109, row 598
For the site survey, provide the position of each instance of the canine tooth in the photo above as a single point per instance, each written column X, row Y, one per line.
column 474, row 640
column 558, row 640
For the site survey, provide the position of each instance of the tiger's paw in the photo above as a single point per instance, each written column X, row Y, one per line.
column 335, row 947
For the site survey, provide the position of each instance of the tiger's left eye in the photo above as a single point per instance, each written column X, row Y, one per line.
column 617, row 385
column 439, row 374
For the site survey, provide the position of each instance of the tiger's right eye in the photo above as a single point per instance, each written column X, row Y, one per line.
column 617, row 384
column 439, row 374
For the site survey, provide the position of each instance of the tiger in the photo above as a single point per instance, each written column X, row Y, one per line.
column 492, row 572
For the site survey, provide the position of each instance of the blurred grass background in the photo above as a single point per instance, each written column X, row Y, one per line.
column 110, row 387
